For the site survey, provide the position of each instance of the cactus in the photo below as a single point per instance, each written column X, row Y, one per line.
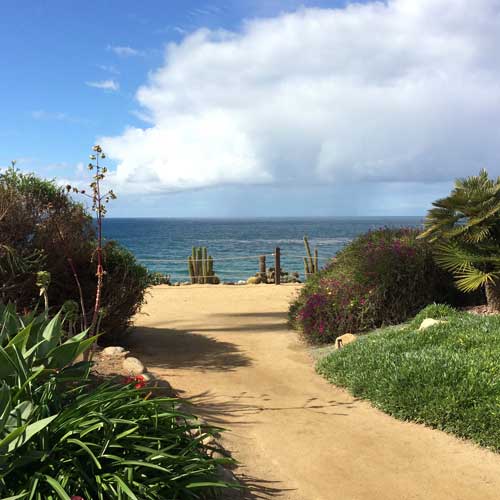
column 201, row 266
column 311, row 264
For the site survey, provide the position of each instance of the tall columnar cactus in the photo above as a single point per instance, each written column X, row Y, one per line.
column 311, row 264
column 201, row 266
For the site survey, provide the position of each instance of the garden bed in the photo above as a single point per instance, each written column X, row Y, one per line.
column 447, row 376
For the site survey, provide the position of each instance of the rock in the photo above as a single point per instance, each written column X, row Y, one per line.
column 345, row 339
column 185, row 283
column 114, row 351
column 228, row 282
column 216, row 455
column 241, row 282
column 147, row 377
column 254, row 280
column 207, row 441
column 133, row 366
column 428, row 322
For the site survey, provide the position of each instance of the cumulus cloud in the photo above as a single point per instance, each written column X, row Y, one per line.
column 398, row 91
column 112, row 85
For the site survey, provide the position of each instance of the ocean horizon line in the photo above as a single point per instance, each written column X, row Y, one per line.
column 270, row 217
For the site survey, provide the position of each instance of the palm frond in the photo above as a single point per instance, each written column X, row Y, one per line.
column 472, row 278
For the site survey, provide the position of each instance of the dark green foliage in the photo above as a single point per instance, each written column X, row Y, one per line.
column 124, row 290
column 382, row 277
column 446, row 376
column 63, row 434
column 43, row 229
column 157, row 278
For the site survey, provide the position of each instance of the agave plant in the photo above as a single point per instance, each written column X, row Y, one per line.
column 64, row 435
column 465, row 227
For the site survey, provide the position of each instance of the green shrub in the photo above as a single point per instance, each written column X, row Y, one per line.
column 157, row 278
column 43, row 229
column 124, row 290
column 382, row 277
column 446, row 376
column 63, row 434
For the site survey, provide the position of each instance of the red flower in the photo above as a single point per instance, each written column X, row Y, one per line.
column 76, row 497
column 138, row 381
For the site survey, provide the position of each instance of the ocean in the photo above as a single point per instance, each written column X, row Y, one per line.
column 235, row 244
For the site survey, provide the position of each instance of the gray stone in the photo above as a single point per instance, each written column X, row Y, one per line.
column 114, row 351
column 133, row 366
column 147, row 377
column 208, row 440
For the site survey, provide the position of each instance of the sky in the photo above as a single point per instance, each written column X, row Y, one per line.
column 248, row 108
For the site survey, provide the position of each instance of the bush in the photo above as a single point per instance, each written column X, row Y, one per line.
column 124, row 290
column 42, row 229
column 445, row 376
column 62, row 434
column 383, row 277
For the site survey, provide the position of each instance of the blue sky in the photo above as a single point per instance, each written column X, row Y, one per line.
column 273, row 108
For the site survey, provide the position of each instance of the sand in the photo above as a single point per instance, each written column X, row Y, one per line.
column 228, row 350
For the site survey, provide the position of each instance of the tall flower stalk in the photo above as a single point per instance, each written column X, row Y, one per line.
column 99, row 201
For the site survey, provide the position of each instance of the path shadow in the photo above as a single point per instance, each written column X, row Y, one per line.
column 236, row 412
column 171, row 349
column 249, row 328
column 236, row 409
column 256, row 488
column 273, row 314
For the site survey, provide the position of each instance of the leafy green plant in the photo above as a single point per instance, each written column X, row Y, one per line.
column 445, row 376
column 382, row 277
column 64, row 434
column 466, row 228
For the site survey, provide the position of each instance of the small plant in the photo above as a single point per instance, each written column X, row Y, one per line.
column 157, row 278
column 43, row 283
column 311, row 264
column 201, row 267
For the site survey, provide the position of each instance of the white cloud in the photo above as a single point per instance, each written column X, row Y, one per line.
column 109, row 69
column 397, row 91
column 41, row 114
column 124, row 51
column 105, row 85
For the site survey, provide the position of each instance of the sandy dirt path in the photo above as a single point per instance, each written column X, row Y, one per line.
column 297, row 437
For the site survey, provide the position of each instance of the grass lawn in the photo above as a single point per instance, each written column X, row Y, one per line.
column 447, row 376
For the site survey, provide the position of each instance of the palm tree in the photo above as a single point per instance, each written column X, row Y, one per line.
column 466, row 229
